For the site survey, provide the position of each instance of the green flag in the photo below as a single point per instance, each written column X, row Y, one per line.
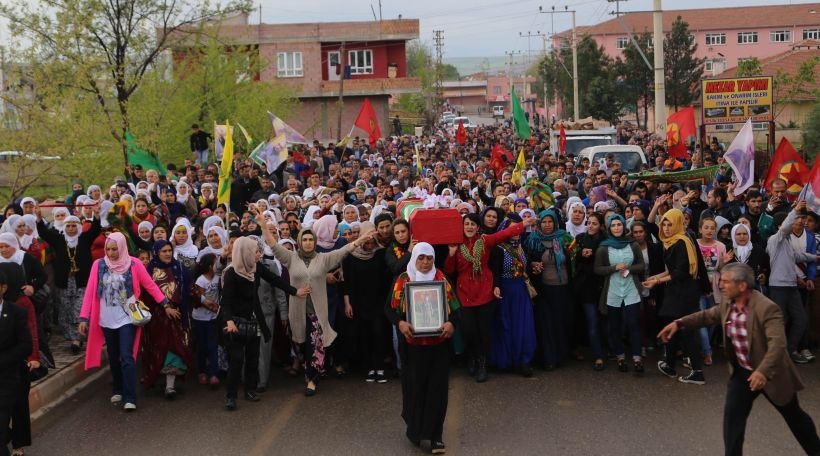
column 522, row 127
column 139, row 156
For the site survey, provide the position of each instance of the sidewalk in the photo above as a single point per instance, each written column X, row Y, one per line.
column 62, row 382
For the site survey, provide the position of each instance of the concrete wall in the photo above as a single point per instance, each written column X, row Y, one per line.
column 317, row 118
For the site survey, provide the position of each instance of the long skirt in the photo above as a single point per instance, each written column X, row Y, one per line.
column 160, row 338
column 553, row 321
column 313, row 350
column 513, row 331
column 424, row 394
column 70, row 301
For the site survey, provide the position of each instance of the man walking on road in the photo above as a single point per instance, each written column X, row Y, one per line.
column 755, row 345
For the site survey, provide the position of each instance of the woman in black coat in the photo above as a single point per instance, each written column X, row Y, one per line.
column 653, row 259
column 71, row 265
column 587, row 286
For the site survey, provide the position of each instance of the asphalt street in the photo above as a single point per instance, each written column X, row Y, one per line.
column 569, row 411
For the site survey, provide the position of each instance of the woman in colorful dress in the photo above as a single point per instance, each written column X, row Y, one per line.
column 427, row 362
column 166, row 345
column 513, row 336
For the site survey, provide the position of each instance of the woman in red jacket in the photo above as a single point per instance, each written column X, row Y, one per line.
column 474, row 286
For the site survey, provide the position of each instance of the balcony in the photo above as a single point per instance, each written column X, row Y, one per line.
column 374, row 86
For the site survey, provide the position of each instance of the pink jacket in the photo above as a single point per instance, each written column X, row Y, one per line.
column 91, row 309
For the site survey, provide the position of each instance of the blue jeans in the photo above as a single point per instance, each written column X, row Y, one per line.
column 202, row 157
column 706, row 332
column 120, row 346
column 594, row 328
column 206, row 353
column 625, row 317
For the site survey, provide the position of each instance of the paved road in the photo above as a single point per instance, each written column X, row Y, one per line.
column 569, row 411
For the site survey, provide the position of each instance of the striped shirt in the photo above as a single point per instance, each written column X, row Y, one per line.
column 737, row 333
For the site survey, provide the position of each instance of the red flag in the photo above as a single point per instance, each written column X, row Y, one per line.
column 301, row 165
column 562, row 140
column 787, row 165
column 367, row 121
column 497, row 162
column 680, row 126
column 461, row 134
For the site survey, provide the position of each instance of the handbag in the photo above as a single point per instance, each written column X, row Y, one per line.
column 531, row 289
column 137, row 311
column 248, row 328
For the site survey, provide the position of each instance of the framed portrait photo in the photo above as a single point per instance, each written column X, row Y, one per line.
column 426, row 310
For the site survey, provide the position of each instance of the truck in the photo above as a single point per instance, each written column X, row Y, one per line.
column 581, row 139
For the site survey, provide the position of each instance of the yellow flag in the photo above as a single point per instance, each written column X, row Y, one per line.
column 518, row 172
column 245, row 133
column 224, row 193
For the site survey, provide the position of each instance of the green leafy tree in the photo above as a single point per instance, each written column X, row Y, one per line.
column 104, row 49
column 593, row 63
column 811, row 133
column 683, row 71
column 601, row 101
column 449, row 72
column 749, row 67
column 637, row 78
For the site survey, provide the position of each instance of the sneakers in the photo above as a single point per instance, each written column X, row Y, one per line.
column 170, row 393
column 371, row 377
column 380, row 378
column 807, row 354
column 202, row 379
column 666, row 369
column 214, row 381
column 116, row 399
column 694, row 377
column 251, row 396
column 798, row 358
column 129, row 407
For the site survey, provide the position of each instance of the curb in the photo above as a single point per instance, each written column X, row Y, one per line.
column 61, row 386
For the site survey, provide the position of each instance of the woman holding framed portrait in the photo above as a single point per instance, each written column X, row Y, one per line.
column 424, row 308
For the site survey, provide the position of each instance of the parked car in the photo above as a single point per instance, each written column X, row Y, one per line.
column 464, row 120
column 10, row 155
column 631, row 158
column 498, row 111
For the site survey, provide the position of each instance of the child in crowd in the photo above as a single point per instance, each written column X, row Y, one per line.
column 204, row 316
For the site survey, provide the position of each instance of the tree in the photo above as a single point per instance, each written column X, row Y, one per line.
column 682, row 70
column 593, row 63
column 637, row 77
column 104, row 48
column 449, row 72
column 811, row 133
column 601, row 101
column 749, row 67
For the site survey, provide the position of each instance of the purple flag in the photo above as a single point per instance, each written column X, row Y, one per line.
column 741, row 157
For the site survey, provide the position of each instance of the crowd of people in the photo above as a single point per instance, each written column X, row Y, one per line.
column 307, row 267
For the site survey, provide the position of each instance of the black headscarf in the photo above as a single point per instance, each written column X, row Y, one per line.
column 181, row 274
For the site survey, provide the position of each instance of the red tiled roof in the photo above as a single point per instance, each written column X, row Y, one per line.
column 789, row 62
column 718, row 19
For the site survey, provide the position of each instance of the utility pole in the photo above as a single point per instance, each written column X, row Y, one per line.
column 617, row 12
column 660, row 89
column 341, row 102
column 510, row 55
column 529, row 35
column 576, row 108
column 438, row 38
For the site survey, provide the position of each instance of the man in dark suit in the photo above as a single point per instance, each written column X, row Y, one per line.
column 15, row 346
column 754, row 338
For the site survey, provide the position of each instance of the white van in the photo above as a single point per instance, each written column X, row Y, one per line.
column 498, row 111
column 631, row 158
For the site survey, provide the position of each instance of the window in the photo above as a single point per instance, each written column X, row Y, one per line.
column 746, row 37
column 707, row 65
column 780, row 36
column 622, row 42
column 289, row 65
column 496, row 90
column 361, row 62
column 811, row 34
column 713, row 39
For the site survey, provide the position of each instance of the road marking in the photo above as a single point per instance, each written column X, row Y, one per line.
column 265, row 441
column 455, row 415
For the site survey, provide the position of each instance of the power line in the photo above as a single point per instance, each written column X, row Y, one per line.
column 617, row 12
column 438, row 37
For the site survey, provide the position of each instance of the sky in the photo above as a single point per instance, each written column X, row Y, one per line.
column 478, row 28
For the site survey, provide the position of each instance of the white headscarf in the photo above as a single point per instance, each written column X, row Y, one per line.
column 187, row 249
column 182, row 197
column 31, row 223
column 572, row 228
column 213, row 220
column 59, row 224
column 307, row 220
column 223, row 236
column 422, row 248
column 71, row 241
column 145, row 224
column 18, row 255
column 742, row 252
column 10, row 225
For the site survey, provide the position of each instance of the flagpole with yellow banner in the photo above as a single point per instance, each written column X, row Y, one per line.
column 518, row 171
column 224, row 192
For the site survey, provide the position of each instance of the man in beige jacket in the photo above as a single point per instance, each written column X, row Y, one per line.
column 755, row 345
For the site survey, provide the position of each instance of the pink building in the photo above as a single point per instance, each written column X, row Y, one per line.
column 319, row 60
column 725, row 36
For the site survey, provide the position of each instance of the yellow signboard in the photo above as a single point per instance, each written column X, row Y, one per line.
column 735, row 100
